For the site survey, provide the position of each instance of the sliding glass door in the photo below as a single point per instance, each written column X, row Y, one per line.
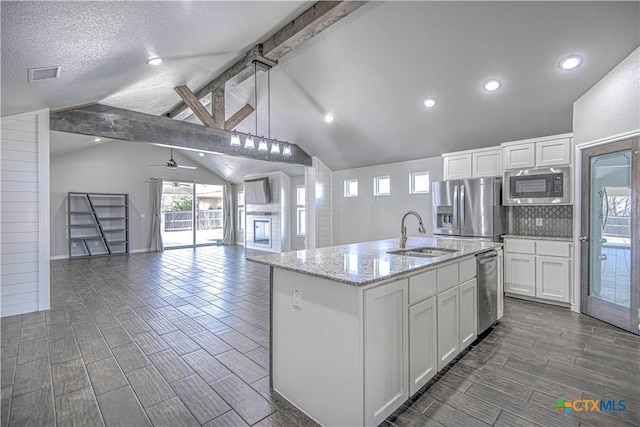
column 191, row 214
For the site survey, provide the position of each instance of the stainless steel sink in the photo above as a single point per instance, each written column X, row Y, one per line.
column 423, row 252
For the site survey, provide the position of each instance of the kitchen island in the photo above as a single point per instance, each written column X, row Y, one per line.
column 355, row 331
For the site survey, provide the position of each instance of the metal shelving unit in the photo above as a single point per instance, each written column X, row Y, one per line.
column 98, row 224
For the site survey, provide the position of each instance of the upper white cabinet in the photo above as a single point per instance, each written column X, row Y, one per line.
column 539, row 152
column 484, row 162
column 457, row 166
column 487, row 163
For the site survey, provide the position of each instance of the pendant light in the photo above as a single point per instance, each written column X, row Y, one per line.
column 263, row 143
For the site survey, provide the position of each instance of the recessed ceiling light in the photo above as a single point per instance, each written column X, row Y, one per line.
column 570, row 62
column 154, row 61
column 429, row 102
column 97, row 139
column 201, row 154
column 329, row 118
column 492, row 85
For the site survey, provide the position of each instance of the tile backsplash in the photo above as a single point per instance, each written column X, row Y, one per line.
column 557, row 221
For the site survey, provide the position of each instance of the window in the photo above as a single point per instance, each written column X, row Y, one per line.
column 381, row 186
column 301, row 218
column 351, row 188
column 240, row 210
column 418, row 182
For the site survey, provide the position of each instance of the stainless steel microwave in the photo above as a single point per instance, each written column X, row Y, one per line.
column 546, row 186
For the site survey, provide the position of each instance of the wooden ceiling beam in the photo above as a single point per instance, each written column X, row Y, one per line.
column 308, row 24
column 238, row 117
column 118, row 123
column 194, row 104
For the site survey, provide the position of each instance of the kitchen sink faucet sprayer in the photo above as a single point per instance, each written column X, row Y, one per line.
column 403, row 229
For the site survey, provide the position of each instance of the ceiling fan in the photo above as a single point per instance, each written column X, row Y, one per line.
column 172, row 164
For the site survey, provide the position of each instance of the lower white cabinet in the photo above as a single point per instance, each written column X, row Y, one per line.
column 520, row 274
column 423, row 354
column 386, row 350
column 538, row 269
column 448, row 309
column 468, row 313
column 552, row 274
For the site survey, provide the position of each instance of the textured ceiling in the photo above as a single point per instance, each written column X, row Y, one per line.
column 371, row 70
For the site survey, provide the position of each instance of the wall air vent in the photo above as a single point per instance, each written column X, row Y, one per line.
column 45, row 73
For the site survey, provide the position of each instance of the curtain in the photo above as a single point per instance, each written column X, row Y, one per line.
column 156, row 215
column 228, row 228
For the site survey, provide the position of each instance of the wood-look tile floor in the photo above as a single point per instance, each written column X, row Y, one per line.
column 181, row 338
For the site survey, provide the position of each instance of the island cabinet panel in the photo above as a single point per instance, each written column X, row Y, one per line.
column 423, row 354
column 317, row 348
column 448, row 309
column 468, row 313
column 386, row 350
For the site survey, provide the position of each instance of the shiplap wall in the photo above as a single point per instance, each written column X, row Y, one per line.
column 318, row 185
column 24, row 220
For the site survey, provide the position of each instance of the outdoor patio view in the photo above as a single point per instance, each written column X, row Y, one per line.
column 180, row 214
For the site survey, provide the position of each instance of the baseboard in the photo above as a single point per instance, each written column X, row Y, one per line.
column 137, row 251
column 53, row 258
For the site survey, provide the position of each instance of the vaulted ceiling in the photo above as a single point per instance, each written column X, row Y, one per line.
column 371, row 70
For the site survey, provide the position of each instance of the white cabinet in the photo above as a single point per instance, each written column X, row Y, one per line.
column 386, row 350
column 468, row 313
column 520, row 274
column 422, row 343
column 448, row 310
column 538, row 269
column 554, row 152
column 520, row 156
column 486, row 163
column 540, row 152
column 552, row 278
column 457, row 166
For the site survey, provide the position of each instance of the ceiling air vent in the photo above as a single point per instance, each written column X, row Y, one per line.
column 37, row 74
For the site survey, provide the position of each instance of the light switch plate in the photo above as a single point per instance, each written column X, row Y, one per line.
column 538, row 222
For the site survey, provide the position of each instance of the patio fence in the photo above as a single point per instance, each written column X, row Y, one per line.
column 618, row 226
column 183, row 221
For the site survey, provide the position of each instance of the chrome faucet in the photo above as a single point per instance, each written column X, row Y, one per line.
column 403, row 229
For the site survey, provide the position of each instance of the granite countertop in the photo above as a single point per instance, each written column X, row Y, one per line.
column 557, row 239
column 360, row 264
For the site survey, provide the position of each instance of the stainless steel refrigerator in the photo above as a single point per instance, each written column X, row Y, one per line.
column 469, row 208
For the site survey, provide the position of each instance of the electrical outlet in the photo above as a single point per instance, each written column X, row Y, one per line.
column 142, row 215
column 538, row 222
column 296, row 298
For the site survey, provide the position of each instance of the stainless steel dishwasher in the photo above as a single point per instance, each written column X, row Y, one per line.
column 487, row 273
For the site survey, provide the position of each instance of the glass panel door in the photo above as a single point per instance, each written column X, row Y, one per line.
column 177, row 214
column 209, row 214
column 609, row 282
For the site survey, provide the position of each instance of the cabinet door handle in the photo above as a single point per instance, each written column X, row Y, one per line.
column 583, row 239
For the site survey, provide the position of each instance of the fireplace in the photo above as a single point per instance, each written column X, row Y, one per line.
column 262, row 232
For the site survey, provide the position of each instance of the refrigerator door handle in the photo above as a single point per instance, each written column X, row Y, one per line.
column 455, row 208
column 462, row 207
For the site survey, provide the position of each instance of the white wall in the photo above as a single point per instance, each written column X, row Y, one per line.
column 366, row 217
column 297, row 242
column 24, row 222
column 115, row 167
column 611, row 106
